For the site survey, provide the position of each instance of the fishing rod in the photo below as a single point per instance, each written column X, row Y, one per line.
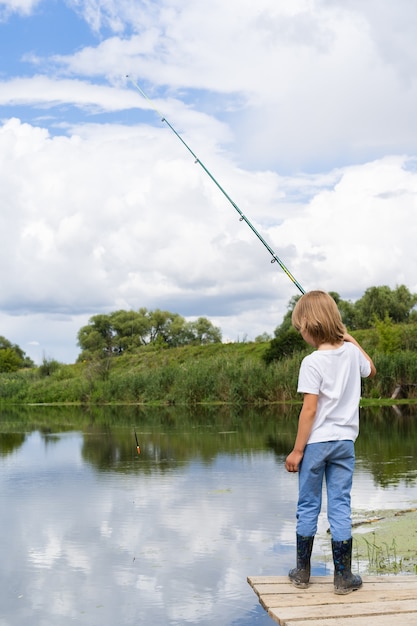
column 243, row 218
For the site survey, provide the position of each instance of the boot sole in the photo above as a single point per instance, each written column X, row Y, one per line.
column 299, row 585
column 344, row 592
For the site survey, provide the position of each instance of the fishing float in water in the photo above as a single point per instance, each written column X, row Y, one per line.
column 242, row 218
column 137, row 443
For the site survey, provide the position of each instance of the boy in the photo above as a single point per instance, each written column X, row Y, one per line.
column 330, row 379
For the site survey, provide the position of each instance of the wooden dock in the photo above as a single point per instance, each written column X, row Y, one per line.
column 382, row 601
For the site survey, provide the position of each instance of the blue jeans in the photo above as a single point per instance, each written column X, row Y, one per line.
column 335, row 460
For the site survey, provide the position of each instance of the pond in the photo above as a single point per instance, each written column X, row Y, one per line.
column 94, row 533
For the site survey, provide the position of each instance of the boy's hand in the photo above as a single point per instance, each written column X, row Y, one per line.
column 347, row 337
column 293, row 461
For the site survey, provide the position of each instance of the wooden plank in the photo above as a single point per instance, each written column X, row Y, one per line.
column 382, row 601
column 376, row 620
column 315, row 599
column 283, row 580
column 327, row 581
column 393, row 607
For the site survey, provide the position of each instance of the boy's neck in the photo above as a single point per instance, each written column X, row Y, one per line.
column 330, row 346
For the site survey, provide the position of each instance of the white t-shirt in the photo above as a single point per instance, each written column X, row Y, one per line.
column 335, row 376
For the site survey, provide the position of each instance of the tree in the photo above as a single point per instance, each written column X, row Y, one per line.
column 130, row 329
column 121, row 331
column 286, row 344
column 12, row 357
column 389, row 335
column 286, row 340
column 162, row 325
column 97, row 336
column 383, row 301
column 398, row 304
column 286, row 323
column 202, row 332
column 263, row 338
column 347, row 310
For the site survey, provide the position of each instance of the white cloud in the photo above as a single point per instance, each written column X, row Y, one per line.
column 23, row 7
column 303, row 86
column 47, row 92
column 358, row 234
column 112, row 217
column 115, row 218
column 114, row 214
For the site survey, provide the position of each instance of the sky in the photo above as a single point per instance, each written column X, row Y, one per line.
column 303, row 111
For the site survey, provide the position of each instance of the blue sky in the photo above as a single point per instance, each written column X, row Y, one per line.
column 304, row 111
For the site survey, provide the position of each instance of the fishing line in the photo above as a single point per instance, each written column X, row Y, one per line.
column 243, row 218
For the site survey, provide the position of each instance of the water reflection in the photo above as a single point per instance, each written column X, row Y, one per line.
column 93, row 533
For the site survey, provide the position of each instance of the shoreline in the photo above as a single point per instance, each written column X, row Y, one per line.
column 386, row 541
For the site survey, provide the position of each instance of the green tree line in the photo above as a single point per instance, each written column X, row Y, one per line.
column 232, row 374
column 124, row 358
column 12, row 357
column 124, row 331
column 381, row 308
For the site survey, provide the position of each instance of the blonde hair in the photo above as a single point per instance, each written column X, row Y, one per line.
column 316, row 313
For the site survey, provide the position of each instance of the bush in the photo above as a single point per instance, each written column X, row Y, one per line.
column 48, row 367
column 284, row 345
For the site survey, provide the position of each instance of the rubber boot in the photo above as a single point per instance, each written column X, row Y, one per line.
column 344, row 581
column 300, row 575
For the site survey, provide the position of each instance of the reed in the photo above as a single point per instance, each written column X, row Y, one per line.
column 233, row 374
column 382, row 557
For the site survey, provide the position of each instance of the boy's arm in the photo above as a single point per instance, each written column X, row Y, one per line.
column 305, row 424
column 351, row 339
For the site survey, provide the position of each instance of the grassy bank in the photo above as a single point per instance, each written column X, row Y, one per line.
column 388, row 542
column 218, row 373
column 228, row 373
